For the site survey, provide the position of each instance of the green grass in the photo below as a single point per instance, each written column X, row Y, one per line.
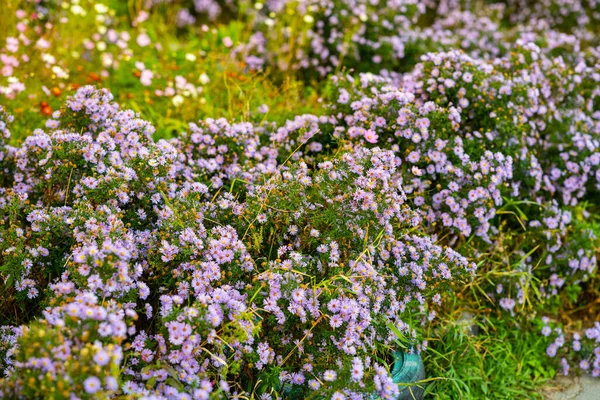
column 502, row 361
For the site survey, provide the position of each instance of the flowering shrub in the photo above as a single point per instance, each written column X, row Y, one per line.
column 583, row 346
column 227, row 291
column 560, row 128
column 354, row 278
column 548, row 131
column 75, row 349
column 359, row 177
column 452, row 180
column 334, row 32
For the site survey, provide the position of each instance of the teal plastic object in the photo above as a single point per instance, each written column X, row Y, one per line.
column 408, row 368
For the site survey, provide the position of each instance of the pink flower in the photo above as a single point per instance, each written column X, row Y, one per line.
column 143, row 40
column 227, row 41
column 142, row 16
column 146, row 77
column 42, row 44
column 371, row 136
column 12, row 44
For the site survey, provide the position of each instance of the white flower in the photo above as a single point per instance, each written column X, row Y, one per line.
column 177, row 100
column 203, row 78
column 101, row 8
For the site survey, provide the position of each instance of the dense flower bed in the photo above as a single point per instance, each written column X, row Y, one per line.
column 182, row 286
column 452, row 156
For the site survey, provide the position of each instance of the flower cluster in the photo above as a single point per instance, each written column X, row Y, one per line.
column 276, row 249
column 551, row 135
column 331, row 285
column 578, row 350
column 453, row 181
column 103, row 227
column 75, row 348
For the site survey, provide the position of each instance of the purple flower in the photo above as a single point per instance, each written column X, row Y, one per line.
column 546, row 331
column 101, row 358
column 92, row 384
column 329, row 375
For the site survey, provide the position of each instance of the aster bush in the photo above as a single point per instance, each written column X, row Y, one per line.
column 76, row 348
column 227, row 291
column 547, row 131
column 266, row 199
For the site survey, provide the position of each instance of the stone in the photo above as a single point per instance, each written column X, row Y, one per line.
column 573, row 388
